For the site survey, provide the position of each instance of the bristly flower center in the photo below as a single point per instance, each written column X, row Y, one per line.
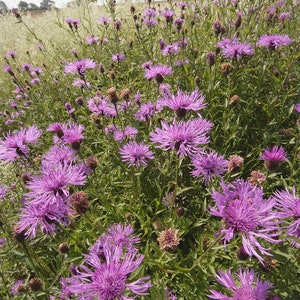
column 241, row 215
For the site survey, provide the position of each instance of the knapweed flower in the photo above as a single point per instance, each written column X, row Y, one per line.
column 117, row 235
column 68, row 133
column 105, row 275
column 18, row 287
column 145, row 112
column 243, row 285
column 273, row 157
column 118, row 57
column 92, row 39
column 158, row 72
column 208, row 165
column 101, row 106
column 168, row 14
column 137, row 154
column 41, row 215
column 128, row 132
column 183, row 102
column 185, row 138
column 288, row 205
column 11, row 54
column 168, row 239
column 79, row 67
column 297, row 107
column 284, row 16
column 235, row 163
column 246, row 213
column 15, row 145
column 257, row 178
column 275, row 41
column 232, row 48
column 104, row 20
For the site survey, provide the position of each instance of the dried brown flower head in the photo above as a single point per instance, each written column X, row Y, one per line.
column 168, row 239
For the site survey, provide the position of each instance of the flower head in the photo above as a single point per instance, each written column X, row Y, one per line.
column 145, row 112
column 183, row 137
column 232, row 48
column 245, row 212
column 158, row 72
column 15, row 145
column 209, row 165
column 273, row 157
column 136, row 154
column 183, row 101
column 289, row 206
column 273, row 42
column 243, row 285
column 80, row 66
column 168, row 239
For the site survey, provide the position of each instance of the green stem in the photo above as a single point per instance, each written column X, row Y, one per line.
column 216, row 241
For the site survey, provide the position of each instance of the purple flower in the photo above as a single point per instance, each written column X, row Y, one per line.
column 273, row 157
column 243, row 285
column 245, row 212
column 150, row 13
column 158, row 72
column 183, row 102
column 92, row 39
column 145, row 112
column 150, row 22
column 15, row 145
column 284, row 16
column 101, row 106
column 18, row 287
column 289, row 206
column 118, row 57
column 69, row 133
column 168, row 14
column 104, row 20
column 3, row 191
column 79, row 67
column 107, row 270
column 297, row 107
column 117, row 235
column 234, row 49
column 183, row 137
column 37, row 215
column 273, row 42
column 11, row 54
column 134, row 153
column 209, row 165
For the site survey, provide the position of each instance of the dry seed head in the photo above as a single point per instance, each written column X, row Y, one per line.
column 168, row 239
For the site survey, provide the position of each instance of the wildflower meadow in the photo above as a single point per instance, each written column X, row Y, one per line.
column 151, row 151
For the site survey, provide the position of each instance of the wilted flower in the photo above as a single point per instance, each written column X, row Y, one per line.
column 168, row 239
column 257, row 178
column 235, row 163
column 244, row 285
